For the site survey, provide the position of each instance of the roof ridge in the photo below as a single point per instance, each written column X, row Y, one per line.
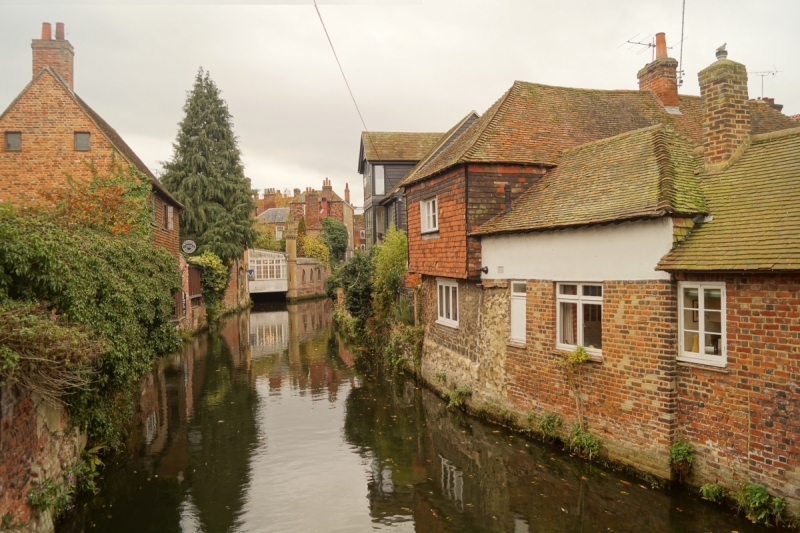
column 619, row 136
column 667, row 192
column 763, row 137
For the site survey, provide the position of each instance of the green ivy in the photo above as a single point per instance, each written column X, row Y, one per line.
column 120, row 287
column 214, row 275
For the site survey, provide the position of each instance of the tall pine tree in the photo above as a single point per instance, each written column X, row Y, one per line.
column 206, row 175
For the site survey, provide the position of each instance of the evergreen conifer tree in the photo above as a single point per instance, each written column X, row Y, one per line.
column 206, row 175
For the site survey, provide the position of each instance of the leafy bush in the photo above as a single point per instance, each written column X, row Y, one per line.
column 214, row 276
column 455, row 397
column 50, row 494
column 758, row 505
column 403, row 339
column 549, row 424
column 356, row 279
column 681, row 457
column 583, row 442
column 314, row 248
column 405, row 311
column 335, row 236
column 390, row 259
column 712, row 492
column 265, row 238
column 119, row 287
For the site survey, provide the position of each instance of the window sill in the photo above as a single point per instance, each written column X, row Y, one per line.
column 564, row 351
column 430, row 235
column 448, row 324
column 515, row 344
column 704, row 366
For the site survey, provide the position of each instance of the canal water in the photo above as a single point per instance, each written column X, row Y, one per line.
column 270, row 424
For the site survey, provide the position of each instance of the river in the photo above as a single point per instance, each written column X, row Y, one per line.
column 270, row 424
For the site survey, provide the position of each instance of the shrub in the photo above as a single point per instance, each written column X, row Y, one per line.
column 712, row 492
column 49, row 494
column 335, row 236
column 583, row 442
column 681, row 457
column 265, row 237
column 456, row 397
column 214, row 277
column 402, row 340
column 549, row 424
column 356, row 279
column 758, row 505
column 314, row 248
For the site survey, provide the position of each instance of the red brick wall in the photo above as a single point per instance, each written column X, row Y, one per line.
column 629, row 396
column 56, row 53
column 450, row 253
column 48, row 118
column 443, row 253
column 306, row 286
column 744, row 420
column 166, row 238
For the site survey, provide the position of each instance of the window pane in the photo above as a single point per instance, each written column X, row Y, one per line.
column 690, row 320
column 441, row 301
column 568, row 289
column 713, row 344
column 455, row 302
column 13, row 141
column 447, row 302
column 712, row 298
column 518, row 288
column 592, row 290
column 592, row 326
column 81, row 141
column 379, row 181
column 568, row 332
column 691, row 341
column 713, row 322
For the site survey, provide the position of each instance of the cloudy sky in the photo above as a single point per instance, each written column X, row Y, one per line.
column 413, row 65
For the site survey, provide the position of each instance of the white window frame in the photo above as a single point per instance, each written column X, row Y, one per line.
column 687, row 356
column 278, row 232
column 577, row 299
column 444, row 316
column 518, row 304
column 429, row 215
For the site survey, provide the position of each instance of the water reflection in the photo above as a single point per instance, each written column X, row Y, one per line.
column 271, row 424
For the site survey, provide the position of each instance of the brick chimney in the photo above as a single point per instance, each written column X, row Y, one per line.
column 347, row 193
column 327, row 189
column 58, row 53
column 296, row 193
column 312, row 208
column 661, row 76
column 269, row 199
column 726, row 113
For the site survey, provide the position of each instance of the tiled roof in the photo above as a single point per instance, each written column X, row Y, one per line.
column 534, row 123
column 645, row 173
column 444, row 141
column 796, row 117
column 397, row 146
column 301, row 198
column 755, row 205
column 110, row 133
column 274, row 215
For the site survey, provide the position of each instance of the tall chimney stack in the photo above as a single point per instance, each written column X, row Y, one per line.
column 58, row 54
column 661, row 76
column 726, row 110
column 347, row 193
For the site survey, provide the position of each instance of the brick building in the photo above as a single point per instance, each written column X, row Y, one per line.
column 48, row 130
column 359, row 233
column 611, row 245
column 314, row 205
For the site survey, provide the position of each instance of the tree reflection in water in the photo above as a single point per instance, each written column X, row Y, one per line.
column 271, row 424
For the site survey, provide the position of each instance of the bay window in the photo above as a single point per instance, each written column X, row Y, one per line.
column 447, row 302
column 701, row 323
column 579, row 316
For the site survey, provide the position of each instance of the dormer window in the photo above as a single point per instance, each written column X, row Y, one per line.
column 82, row 141
column 13, row 141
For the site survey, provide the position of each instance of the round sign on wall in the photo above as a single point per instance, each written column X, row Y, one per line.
column 188, row 247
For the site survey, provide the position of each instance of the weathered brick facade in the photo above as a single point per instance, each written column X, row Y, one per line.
column 468, row 196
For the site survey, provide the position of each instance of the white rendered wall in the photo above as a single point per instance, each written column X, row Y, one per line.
column 627, row 251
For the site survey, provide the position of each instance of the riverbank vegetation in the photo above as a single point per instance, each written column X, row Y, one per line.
column 86, row 301
column 377, row 304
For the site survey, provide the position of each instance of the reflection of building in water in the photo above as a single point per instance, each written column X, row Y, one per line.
column 452, row 483
column 269, row 332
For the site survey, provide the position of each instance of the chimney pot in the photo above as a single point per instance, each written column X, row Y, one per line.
column 59, row 31
column 661, row 45
column 46, row 31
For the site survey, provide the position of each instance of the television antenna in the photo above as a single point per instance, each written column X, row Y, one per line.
column 764, row 74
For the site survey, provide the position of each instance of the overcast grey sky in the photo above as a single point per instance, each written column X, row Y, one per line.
column 413, row 66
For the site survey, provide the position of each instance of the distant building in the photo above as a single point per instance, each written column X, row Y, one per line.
column 315, row 205
column 275, row 218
